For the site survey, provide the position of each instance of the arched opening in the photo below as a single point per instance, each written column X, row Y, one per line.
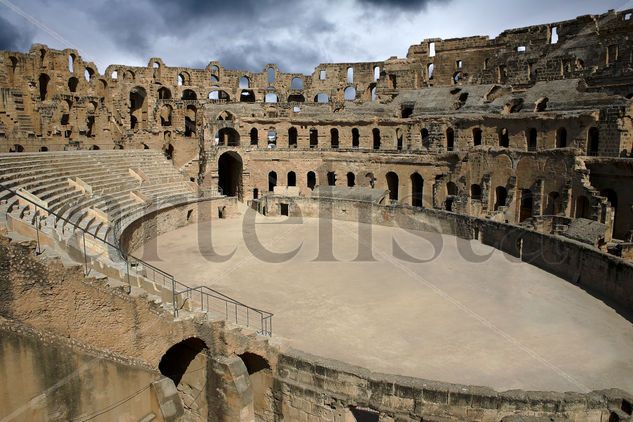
column 271, row 98
column 475, row 192
column 189, row 95
column 230, row 174
column 501, row 197
column 504, row 138
column 314, row 138
column 450, row 139
column 165, row 115
column 296, row 84
column 43, row 85
column 219, row 95
column 71, row 63
column 360, row 414
column 334, row 138
column 371, row 180
column 311, row 180
column 190, row 121
column 561, row 138
column 164, row 93
column 417, row 190
column 72, row 84
column 426, row 139
column 527, row 205
column 376, row 137
column 593, row 141
column 94, row 148
column 532, row 139
column 261, row 380
column 271, row 75
column 477, row 136
column 272, row 138
column 321, row 98
column 392, row 185
column 272, row 181
column 229, row 137
column 137, row 107
column 376, row 73
column 554, row 204
column 351, row 179
column 254, row 136
column 583, row 209
column 373, row 92
column 168, row 151
column 43, row 149
column 355, row 138
column 292, row 178
column 292, row 137
column 247, row 96
column 16, row 148
column 296, row 98
column 244, row 83
column 88, row 74
column 176, row 360
column 331, row 178
column 350, row 93
column 350, row 75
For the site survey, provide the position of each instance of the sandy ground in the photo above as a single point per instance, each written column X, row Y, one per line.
column 496, row 322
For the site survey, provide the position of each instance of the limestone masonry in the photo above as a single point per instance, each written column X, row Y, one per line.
column 523, row 142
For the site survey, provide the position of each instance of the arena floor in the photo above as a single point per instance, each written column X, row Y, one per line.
column 498, row 323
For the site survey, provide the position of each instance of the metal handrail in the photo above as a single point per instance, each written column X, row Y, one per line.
column 207, row 294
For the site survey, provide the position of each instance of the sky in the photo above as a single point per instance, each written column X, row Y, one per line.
column 248, row 34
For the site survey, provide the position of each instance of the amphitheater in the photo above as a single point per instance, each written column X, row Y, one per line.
column 442, row 237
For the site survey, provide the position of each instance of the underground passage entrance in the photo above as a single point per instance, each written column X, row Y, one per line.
column 230, row 174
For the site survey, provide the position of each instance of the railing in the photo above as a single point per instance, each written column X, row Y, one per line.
column 209, row 300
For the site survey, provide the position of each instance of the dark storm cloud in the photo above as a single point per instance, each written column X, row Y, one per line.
column 14, row 37
column 409, row 5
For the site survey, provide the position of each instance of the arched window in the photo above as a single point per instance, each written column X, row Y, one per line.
column 351, row 179
column 376, row 136
column 254, row 136
column 292, row 178
column 321, row 98
column 176, row 360
column 376, row 73
column 271, row 75
column 190, row 121
column 593, row 141
column 164, row 93
column 350, row 75
column 16, row 148
column 165, row 115
column 475, row 192
column 296, row 84
column 350, row 93
column 189, row 94
column 272, row 181
column 392, row 185
column 504, row 138
column 430, row 70
column 245, row 83
column 355, row 138
column 271, row 97
column 527, row 205
column 72, row 84
column 450, row 139
column 426, row 139
column 334, row 138
column 311, row 178
column 561, row 138
column 247, row 96
column 292, row 137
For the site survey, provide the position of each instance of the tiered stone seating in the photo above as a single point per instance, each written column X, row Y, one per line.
column 93, row 189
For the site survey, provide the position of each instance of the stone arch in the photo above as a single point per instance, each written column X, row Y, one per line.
column 351, row 179
column 593, row 141
column 254, row 135
column 376, row 138
column 311, row 180
column 176, row 360
column 292, row 137
column 138, row 112
column 261, row 379
column 450, row 139
column 164, row 93
column 229, row 137
column 504, row 138
column 165, row 115
column 272, row 181
column 583, row 207
column 355, row 138
column 501, row 197
column 190, row 121
column 417, row 190
column 189, row 94
column 393, row 185
column 561, row 138
column 72, row 84
column 334, row 139
column 291, row 178
column 230, row 167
